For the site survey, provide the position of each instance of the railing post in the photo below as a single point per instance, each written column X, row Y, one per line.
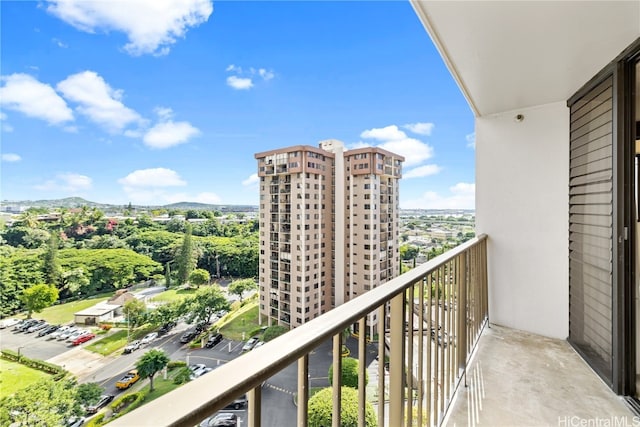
column 337, row 378
column 396, row 361
column 382, row 351
column 463, row 316
column 303, row 390
column 362, row 371
column 254, row 411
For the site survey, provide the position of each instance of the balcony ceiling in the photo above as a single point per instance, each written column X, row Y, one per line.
column 511, row 55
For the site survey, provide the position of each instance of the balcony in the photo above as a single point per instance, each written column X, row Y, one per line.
column 436, row 342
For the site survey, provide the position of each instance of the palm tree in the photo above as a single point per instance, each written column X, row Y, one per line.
column 29, row 219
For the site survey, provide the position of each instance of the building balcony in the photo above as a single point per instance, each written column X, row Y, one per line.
column 446, row 365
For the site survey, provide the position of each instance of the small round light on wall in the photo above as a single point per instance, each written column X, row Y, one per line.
column 519, row 117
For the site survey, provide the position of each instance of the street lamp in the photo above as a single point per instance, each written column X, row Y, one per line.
column 19, row 356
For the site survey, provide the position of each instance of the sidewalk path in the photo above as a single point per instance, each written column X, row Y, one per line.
column 80, row 362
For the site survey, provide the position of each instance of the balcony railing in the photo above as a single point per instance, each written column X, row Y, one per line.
column 432, row 318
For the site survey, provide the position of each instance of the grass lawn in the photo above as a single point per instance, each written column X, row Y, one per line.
column 245, row 322
column 160, row 387
column 173, row 295
column 117, row 340
column 63, row 313
column 14, row 376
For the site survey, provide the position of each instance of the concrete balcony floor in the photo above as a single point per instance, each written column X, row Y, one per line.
column 520, row 379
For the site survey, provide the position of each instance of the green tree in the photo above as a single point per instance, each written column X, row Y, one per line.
column 349, row 373
column 321, row 409
column 88, row 393
column 28, row 219
column 134, row 310
column 38, row 297
column 74, row 281
column 152, row 362
column 273, row 332
column 44, row 403
column 52, row 271
column 186, row 260
column 199, row 277
column 204, row 303
column 239, row 287
column 408, row 252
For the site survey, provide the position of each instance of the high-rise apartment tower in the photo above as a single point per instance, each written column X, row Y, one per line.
column 328, row 227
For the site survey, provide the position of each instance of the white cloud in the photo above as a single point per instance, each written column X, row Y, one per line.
column 67, row 182
column 98, row 101
column 6, row 127
column 164, row 113
column 11, row 157
column 471, row 140
column 266, row 75
column 151, row 26
column 422, row 171
column 462, row 196
column 384, row 134
column 168, row 134
column 239, row 83
column 413, row 150
column 60, row 43
column 253, row 179
column 155, row 177
column 232, row 67
column 25, row 94
column 420, row 128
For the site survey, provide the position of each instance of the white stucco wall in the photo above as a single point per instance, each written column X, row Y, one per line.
column 522, row 171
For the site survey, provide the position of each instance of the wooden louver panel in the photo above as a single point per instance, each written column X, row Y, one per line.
column 591, row 226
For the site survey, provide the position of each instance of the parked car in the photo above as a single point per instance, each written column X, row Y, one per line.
column 8, row 323
column 83, row 338
column 166, row 328
column 25, row 324
column 213, row 340
column 59, row 332
column 131, row 347
column 248, row 346
column 188, row 336
column 75, row 422
column 197, row 370
column 102, row 402
column 48, row 330
column 77, row 334
column 148, row 338
column 223, row 419
column 36, row 327
column 239, row 403
column 66, row 334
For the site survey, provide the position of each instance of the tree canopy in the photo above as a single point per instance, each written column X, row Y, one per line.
column 44, row 403
column 38, row 297
column 349, row 373
column 152, row 362
column 239, row 287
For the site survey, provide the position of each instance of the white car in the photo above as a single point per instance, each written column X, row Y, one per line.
column 66, row 334
column 198, row 370
column 59, row 332
column 77, row 334
column 7, row 323
column 148, row 338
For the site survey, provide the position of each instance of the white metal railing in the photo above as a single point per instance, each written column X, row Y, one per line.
column 432, row 317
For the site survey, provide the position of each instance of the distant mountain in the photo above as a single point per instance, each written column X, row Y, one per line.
column 75, row 202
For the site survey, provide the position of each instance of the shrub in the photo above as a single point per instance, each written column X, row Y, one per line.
column 349, row 373
column 321, row 408
column 274, row 331
column 182, row 376
column 176, row 364
column 96, row 421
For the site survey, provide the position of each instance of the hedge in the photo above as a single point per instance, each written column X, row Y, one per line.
column 176, row 364
column 58, row 372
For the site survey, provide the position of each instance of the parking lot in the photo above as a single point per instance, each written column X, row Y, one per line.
column 31, row 345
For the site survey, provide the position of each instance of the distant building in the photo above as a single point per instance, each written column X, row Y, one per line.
column 104, row 311
column 329, row 226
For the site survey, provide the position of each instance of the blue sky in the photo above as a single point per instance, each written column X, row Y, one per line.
column 154, row 102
